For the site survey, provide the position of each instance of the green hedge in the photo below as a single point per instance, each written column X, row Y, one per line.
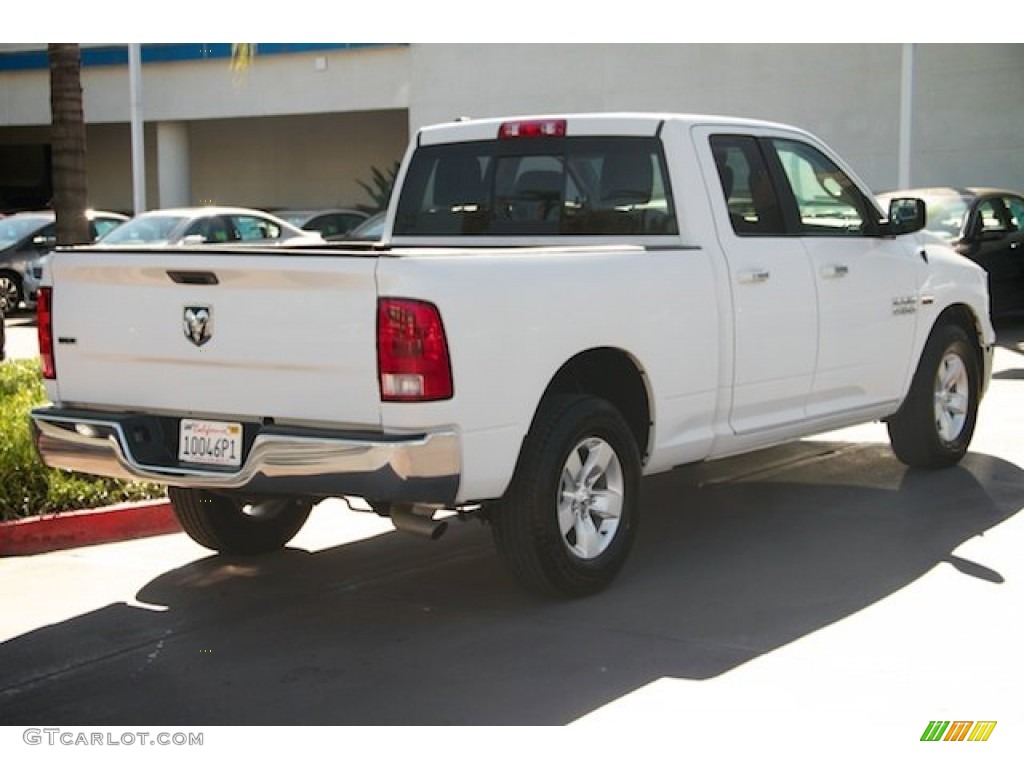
column 27, row 487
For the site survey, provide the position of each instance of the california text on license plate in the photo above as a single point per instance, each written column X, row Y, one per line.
column 210, row 442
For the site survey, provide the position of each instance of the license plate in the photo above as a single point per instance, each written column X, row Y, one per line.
column 217, row 443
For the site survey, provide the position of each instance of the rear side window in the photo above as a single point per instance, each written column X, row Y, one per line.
column 542, row 186
column 747, row 186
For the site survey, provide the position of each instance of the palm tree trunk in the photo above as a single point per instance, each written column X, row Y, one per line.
column 67, row 136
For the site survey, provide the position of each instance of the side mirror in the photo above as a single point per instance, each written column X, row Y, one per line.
column 44, row 243
column 193, row 240
column 906, row 215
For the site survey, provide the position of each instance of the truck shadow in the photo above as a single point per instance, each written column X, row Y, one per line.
column 733, row 560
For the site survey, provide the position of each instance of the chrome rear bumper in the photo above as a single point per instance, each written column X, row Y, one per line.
column 317, row 463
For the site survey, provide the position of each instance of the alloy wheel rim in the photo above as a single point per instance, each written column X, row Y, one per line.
column 8, row 294
column 952, row 397
column 590, row 498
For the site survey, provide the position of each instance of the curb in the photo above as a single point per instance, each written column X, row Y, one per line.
column 65, row 530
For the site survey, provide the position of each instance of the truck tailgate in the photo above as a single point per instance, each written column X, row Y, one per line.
column 286, row 335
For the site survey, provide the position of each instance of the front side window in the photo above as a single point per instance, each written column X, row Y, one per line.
column 827, row 200
column 255, row 228
column 993, row 218
column 1016, row 208
column 538, row 186
column 212, row 229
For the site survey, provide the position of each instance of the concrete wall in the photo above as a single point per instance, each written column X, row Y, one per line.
column 314, row 160
column 301, row 129
column 968, row 116
column 968, row 97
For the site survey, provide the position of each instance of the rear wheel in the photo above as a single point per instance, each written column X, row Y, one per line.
column 235, row 526
column 568, row 520
column 934, row 427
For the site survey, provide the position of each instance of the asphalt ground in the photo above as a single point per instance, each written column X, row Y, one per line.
column 817, row 603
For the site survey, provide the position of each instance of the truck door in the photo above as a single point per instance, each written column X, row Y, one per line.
column 775, row 312
column 866, row 284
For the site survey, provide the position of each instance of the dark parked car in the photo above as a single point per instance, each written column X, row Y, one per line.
column 329, row 222
column 25, row 237
column 985, row 225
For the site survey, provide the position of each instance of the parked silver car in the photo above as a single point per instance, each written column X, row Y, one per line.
column 25, row 238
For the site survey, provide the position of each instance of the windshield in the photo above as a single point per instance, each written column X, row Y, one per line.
column 538, row 186
column 946, row 215
column 144, row 230
column 371, row 229
column 14, row 228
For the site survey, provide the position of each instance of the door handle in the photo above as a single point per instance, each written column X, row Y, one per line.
column 751, row 276
column 835, row 270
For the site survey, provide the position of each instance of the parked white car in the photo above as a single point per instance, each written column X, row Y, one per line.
column 209, row 225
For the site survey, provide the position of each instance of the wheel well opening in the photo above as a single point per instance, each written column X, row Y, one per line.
column 612, row 375
column 962, row 316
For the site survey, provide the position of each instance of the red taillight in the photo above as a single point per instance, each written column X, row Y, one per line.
column 412, row 353
column 531, row 129
column 44, row 327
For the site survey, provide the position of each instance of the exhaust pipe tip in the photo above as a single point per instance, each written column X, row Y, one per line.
column 404, row 519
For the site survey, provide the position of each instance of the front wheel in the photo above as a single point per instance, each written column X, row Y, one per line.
column 234, row 526
column 567, row 523
column 935, row 425
column 10, row 292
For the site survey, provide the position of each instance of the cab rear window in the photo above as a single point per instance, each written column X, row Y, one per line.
column 538, row 186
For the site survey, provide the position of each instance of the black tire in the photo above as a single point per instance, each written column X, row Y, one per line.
column 933, row 428
column 233, row 527
column 528, row 534
column 10, row 292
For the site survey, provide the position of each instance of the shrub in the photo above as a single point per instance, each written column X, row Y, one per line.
column 27, row 486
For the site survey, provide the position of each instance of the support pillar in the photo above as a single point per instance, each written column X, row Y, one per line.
column 173, row 163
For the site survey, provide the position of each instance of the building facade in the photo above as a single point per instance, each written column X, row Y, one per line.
column 304, row 124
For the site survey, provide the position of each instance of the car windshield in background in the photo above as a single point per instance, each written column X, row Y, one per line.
column 14, row 228
column 143, row 230
column 371, row 229
column 538, row 186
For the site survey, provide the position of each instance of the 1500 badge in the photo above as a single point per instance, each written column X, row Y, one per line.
column 904, row 305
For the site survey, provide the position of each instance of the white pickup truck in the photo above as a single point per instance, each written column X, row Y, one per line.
column 559, row 306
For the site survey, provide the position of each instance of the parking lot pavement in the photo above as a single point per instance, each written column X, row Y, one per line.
column 817, row 601
column 22, row 340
